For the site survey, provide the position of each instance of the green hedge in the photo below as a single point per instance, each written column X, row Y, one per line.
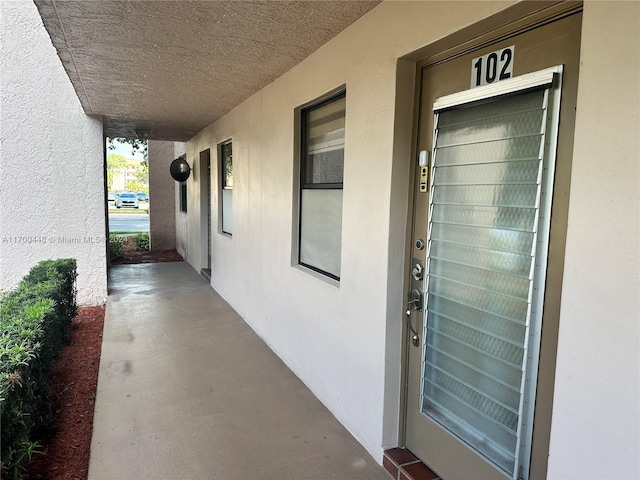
column 116, row 246
column 141, row 241
column 33, row 324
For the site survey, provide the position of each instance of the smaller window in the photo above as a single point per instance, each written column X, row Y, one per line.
column 321, row 176
column 226, row 186
column 183, row 196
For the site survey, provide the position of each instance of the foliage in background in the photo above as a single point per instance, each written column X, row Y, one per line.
column 115, row 163
column 227, row 152
column 116, row 246
column 33, row 324
column 137, row 145
column 132, row 186
column 119, row 166
column 141, row 241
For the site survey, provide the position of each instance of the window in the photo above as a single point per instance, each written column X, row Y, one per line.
column 226, row 187
column 321, row 176
column 183, row 196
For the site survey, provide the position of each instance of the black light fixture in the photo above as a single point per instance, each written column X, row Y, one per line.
column 180, row 169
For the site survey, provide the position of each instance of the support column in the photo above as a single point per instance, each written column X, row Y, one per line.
column 162, row 213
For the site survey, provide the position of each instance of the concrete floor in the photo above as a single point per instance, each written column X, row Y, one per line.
column 187, row 390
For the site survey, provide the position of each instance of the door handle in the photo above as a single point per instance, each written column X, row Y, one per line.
column 414, row 300
column 414, row 304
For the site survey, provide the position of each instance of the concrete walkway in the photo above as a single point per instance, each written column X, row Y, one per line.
column 187, row 390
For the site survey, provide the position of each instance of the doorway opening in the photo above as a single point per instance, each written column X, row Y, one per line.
column 127, row 196
column 205, row 213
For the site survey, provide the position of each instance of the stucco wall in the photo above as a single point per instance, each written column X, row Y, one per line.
column 343, row 342
column 52, row 201
column 162, row 205
column 596, row 423
column 182, row 229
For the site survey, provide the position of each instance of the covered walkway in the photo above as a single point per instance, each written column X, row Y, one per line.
column 187, row 390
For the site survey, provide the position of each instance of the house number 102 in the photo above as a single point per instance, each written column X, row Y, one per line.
column 493, row 67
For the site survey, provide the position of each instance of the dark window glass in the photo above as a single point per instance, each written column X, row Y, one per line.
column 227, row 166
column 226, row 198
column 183, row 197
column 323, row 143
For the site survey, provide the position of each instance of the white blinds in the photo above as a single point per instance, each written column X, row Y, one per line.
column 326, row 127
column 321, row 229
column 483, row 226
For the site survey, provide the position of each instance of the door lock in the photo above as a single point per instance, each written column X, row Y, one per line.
column 417, row 271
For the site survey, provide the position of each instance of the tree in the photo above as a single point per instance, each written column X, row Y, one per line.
column 133, row 186
column 142, row 174
column 137, row 145
column 115, row 163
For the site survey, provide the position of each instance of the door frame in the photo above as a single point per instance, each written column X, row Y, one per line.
column 204, row 167
column 515, row 20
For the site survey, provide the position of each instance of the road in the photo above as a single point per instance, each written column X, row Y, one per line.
column 128, row 222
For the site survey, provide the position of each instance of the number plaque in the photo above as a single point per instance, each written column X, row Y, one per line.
column 492, row 67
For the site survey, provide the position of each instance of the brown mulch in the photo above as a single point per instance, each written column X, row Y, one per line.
column 74, row 383
column 130, row 255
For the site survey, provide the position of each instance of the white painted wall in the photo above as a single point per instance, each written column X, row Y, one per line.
column 596, row 423
column 343, row 342
column 182, row 229
column 52, row 201
column 162, row 205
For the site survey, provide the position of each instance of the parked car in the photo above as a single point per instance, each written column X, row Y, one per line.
column 127, row 200
column 111, row 197
column 142, row 197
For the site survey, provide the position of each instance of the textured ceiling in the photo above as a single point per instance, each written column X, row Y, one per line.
column 173, row 67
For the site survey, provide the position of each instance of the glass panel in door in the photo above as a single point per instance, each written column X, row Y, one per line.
column 485, row 202
column 484, row 220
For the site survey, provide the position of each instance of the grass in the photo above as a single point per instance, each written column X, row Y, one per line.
column 144, row 208
column 128, row 210
column 120, row 233
column 141, row 211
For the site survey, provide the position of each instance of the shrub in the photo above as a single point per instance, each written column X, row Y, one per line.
column 141, row 241
column 116, row 246
column 33, row 323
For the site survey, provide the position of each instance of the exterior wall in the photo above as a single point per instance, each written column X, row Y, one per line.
column 595, row 431
column 342, row 341
column 182, row 230
column 52, row 199
column 162, row 204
